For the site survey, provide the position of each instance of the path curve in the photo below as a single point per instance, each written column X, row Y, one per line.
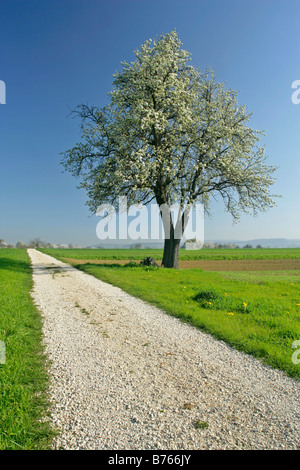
column 125, row 375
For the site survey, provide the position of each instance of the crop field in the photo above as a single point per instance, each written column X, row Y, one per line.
column 255, row 309
column 209, row 259
column 23, row 373
column 184, row 255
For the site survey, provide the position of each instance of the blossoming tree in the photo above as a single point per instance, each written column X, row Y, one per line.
column 170, row 134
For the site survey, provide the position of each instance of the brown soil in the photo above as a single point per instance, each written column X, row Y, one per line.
column 215, row 265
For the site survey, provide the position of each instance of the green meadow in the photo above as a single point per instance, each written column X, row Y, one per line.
column 204, row 254
column 24, row 420
column 257, row 312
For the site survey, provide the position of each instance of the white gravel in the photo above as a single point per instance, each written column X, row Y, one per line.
column 125, row 375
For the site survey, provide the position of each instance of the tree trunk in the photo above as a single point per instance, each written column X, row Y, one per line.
column 171, row 252
column 173, row 236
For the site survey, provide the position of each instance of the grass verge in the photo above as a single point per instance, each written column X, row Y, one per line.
column 24, row 420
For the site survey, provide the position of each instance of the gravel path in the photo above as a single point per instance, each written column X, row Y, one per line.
column 127, row 376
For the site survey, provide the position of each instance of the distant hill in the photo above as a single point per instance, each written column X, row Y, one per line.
column 264, row 242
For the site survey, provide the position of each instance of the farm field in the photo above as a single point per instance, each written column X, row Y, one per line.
column 23, row 375
column 184, row 255
column 256, row 311
column 208, row 259
column 211, row 260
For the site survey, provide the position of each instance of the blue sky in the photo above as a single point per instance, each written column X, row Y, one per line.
column 57, row 54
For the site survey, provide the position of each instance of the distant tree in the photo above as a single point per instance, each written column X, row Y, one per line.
column 20, row 244
column 170, row 134
column 190, row 240
column 247, row 246
column 209, row 245
column 37, row 243
column 193, row 244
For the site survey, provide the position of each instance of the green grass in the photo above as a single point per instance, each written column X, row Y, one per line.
column 24, row 421
column 255, row 313
column 134, row 254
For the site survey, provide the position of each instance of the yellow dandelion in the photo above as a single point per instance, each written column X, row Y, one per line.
column 245, row 304
column 298, row 305
column 230, row 313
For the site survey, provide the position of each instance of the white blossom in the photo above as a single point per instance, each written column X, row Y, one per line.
column 170, row 133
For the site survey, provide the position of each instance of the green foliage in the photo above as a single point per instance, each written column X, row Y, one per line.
column 200, row 424
column 207, row 296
